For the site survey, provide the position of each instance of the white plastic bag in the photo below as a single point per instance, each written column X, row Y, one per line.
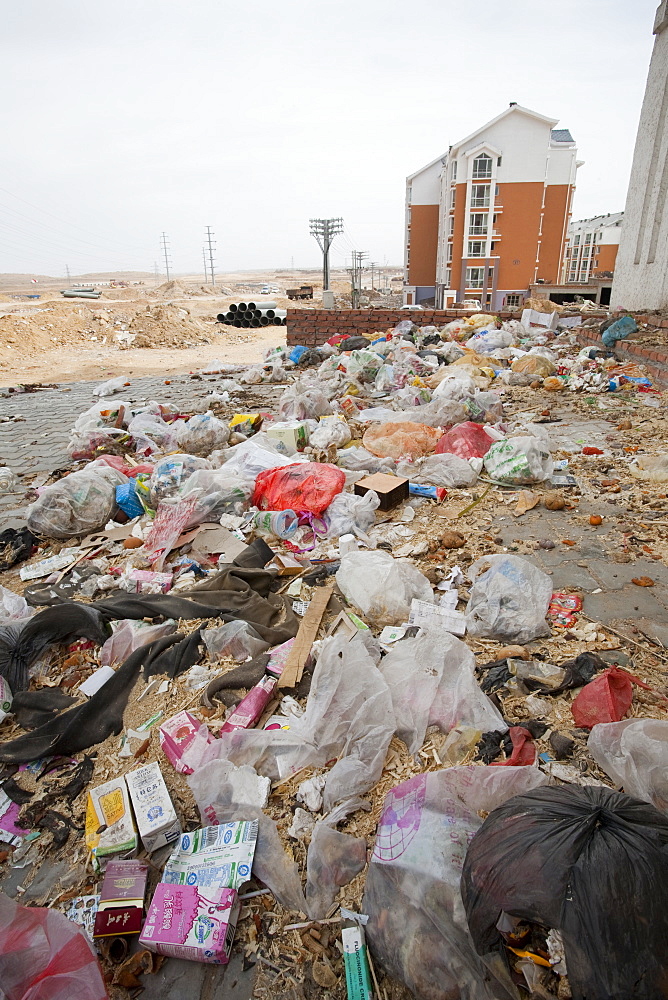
column 202, row 434
column 439, row 470
column 171, row 472
column 254, row 456
column 13, row 607
column 218, row 492
column 509, row 599
column 359, row 459
column 151, row 432
column 110, row 387
column 349, row 514
column 382, row 587
column 77, row 504
column 633, row 754
column 333, row 431
column 519, row 461
column 300, row 401
column 237, row 639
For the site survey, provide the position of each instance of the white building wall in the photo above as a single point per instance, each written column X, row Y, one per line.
column 523, row 142
column 641, row 269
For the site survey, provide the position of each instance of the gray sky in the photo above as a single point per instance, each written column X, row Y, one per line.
column 124, row 119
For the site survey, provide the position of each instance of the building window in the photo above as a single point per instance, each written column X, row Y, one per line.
column 451, row 225
column 478, row 224
column 588, row 238
column 576, row 240
column 454, row 170
column 475, row 277
column 448, row 277
column 498, row 162
column 493, row 249
column 480, row 196
column 453, row 198
column 513, row 300
column 496, row 190
column 449, row 253
column 409, row 194
column 476, row 248
column 482, row 166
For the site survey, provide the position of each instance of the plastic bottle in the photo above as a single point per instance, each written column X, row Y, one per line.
column 7, row 479
column 281, row 523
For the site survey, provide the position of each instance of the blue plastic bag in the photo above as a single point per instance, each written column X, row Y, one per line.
column 619, row 330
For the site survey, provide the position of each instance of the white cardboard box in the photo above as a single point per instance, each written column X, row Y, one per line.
column 156, row 817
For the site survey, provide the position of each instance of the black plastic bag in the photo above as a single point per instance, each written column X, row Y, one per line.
column 589, row 862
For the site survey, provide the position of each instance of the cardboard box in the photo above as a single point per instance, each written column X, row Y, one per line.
column 289, row 437
column 183, row 739
column 356, row 964
column 247, row 713
column 182, row 922
column 156, row 817
column 286, row 565
column 120, row 907
column 214, row 856
column 391, row 490
column 110, row 828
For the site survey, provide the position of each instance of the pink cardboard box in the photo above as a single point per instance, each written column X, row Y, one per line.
column 183, row 739
column 192, row 922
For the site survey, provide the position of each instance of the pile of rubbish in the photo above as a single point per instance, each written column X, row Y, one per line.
column 270, row 682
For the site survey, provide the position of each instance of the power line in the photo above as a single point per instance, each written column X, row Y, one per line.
column 324, row 231
column 164, row 244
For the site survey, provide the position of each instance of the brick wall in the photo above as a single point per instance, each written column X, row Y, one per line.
column 653, row 357
column 312, row 327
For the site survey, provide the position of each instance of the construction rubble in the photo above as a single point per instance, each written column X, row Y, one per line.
column 293, row 676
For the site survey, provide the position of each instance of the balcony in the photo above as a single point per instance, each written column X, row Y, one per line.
column 477, row 230
column 480, row 202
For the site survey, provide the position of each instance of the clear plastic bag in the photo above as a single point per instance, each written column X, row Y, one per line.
column 171, row 472
column 13, row 607
column 334, row 859
column 202, row 434
column 432, row 683
column 236, row 639
column 217, row 491
column 130, row 635
column 651, row 468
column 382, row 587
column 633, row 754
column 171, row 520
column 351, row 514
column 332, row 431
column 534, row 364
column 110, row 387
column 519, row 461
column 417, row 929
column 509, row 599
column 45, row 956
column 439, row 470
column 363, row 365
column 152, row 433
column 360, row 460
column 405, row 438
column 300, row 401
column 77, row 504
column 252, row 457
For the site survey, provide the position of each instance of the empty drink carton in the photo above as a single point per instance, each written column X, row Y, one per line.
column 156, row 818
column 110, row 829
column 183, row 739
column 185, row 921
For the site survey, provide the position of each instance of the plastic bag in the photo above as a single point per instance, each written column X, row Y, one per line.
column 300, row 401
column 307, row 486
column 587, row 862
column 533, row 364
column 605, row 699
column 363, row 365
column 110, row 387
column 633, row 754
column 202, row 434
column 519, row 461
column 432, row 683
column 439, row 470
column 251, row 457
column 217, row 491
column 13, row 607
column 652, row 468
column 236, row 639
column 130, row 635
column 171, row 520
column 488, row 404
column 382, row 587
column 350, row 514
column 467, row 440
column 417, row 929
column 509, row 599
column 333, row 431
column 171, row 472
column 619, row 330
column 400, row 439
column 361, row 460
column 334, row 859
column 152, row 433
column 75, row 505
column 45, row 956
column 488, row 341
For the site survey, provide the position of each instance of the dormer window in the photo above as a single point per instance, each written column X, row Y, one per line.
column 482, row 166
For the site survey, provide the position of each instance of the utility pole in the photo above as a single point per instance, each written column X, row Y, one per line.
column 372, row 265
column 165, row 248
column 355, row 272
column 206, row 276
column 67, row 272
column 324, row 231
column 155, row 268
column 209, row 235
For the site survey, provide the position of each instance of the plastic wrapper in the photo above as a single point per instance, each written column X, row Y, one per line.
column 417, row 930
column 75, row 505
column 236, row 639
column 251, row 457
column 202, row 434
column 586, row 862
column 467, row 440
column 13, row 607
column 395, row 440
column 651, row 468
column 360, row 460
column 300, row 401
column 152, row 433
column 328, row 432
column 217, row 492
column 130, row 635
column 170, row 522
column 333, row 860
column 351, row 514
column 605, row 699
column 171, row 472
column 432, row 683
column 533, row 364
column 45, row 956
column 305, row 487
column 439, row 470
column 633, row 754
column 519, row 461
column 509, row 599
column 382, row 587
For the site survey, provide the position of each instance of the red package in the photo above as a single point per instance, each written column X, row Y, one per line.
column 589, row 450
column 524, row 749
column 467, row 440
column 563, row 609
column 305, row 486
column 605, row 699
column 337, row 338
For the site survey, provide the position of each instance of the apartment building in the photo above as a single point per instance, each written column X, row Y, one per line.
column 591, row 247
column 490, row 217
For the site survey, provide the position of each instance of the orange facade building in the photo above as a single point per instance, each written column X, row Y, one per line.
column 591, row 247
column 490, row 217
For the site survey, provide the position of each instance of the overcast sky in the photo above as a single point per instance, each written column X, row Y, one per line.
column 123, row 119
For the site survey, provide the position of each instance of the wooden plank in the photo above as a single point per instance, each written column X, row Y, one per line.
column 308, row 630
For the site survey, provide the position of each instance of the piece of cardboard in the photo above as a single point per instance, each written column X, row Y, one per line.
column 308, row 630
column 391, row 490
column 216, row 540
column 110, row 828
column 121, row 903
column 154, row 811
column 183, row 922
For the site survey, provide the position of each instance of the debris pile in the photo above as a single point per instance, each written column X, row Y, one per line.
column 297, row 675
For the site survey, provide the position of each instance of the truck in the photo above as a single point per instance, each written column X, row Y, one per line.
column 303, row 292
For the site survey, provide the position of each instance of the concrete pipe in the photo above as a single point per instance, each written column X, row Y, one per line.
column 237, row 323
column 242, row 307
column 269, row 313
column 232, row 307
column 277, row 321
column 222, row 317
column 245, row 324
column 231, row 317
column 255, row 323
column 264, row 321
column 251, row 307
column 264, row 305
column 282, row 313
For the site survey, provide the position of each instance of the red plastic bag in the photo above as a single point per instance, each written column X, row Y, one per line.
column 524, row 749
column 467, row 440
column 44, row 956
column 305, row 486
column 605, row 699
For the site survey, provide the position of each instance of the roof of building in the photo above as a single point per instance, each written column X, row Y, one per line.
column 561, row 135
column 597, row 222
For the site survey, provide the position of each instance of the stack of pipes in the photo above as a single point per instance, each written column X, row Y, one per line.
column 253, row 314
